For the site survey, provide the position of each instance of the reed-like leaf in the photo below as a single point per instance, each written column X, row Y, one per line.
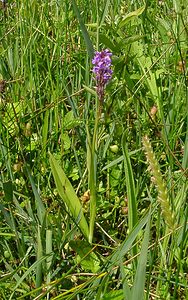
column 131, row 196
column 137, row 291
column 127, row 243
column 49, row 258
column 38, row 202
column 45, row 131
column 126, row 288
column 104, row 13
column 39, row 265
column 83, row 28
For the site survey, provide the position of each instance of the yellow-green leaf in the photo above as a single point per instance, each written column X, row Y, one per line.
column 131, row 15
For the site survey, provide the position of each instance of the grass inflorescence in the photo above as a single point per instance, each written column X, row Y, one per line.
column 159, row 182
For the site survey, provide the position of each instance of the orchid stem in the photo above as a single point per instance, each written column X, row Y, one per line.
column 93, row 172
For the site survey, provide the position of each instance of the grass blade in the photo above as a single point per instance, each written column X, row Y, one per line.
column 39, row 204
column 49, row 258
column 185, row 155
column 45, row 132
column 132, row 207
column 127, row 244
column 39, row 265
column 85, row 33
column 139, row 281
column 105, row 12
column 118, row 255
column 126, row 288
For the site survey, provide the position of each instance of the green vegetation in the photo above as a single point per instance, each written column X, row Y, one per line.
column 93, row 195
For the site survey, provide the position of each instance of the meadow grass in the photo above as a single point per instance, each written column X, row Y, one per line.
column 93, row 201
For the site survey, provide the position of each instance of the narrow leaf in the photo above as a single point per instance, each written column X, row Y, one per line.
column 39, row 257
column 45, row 132
column 119, row 159
column 105, row 12
column 140, row 277
column 127, row 244
column 132, row 207
column 126, row 288
column 185, row 155
column 39, row 204
column 91, row 91
column 84, row 30
column 49, row 258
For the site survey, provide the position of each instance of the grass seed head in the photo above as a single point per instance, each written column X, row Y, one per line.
column 159, row 183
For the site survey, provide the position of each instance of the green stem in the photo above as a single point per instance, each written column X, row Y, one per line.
column 92, row 173
column 93, row 157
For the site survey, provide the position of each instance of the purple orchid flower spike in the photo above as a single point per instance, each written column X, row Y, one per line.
column 102, row 70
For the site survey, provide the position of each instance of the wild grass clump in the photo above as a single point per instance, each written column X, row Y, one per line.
column 81, row 83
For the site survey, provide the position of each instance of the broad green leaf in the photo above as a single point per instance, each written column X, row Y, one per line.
column 66, row 141
column 137, row 50
column 128, row 40
column 70, row 121
column 107, row 42
column 69, row 196
column 165, row 24
column 131, row 15
column 86, row 257
column 115, row 174
column 103, row 39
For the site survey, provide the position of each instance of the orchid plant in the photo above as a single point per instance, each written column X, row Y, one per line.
column 102, row 74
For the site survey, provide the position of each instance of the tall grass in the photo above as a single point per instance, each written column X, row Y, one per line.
column 79, row 211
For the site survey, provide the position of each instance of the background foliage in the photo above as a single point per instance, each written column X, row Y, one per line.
column 48, row 105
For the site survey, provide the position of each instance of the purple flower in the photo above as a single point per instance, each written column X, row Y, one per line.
column 102, row 70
